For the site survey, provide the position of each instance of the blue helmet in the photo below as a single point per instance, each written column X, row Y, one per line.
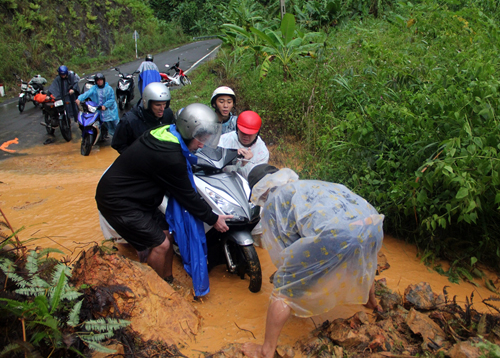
column 63, row 70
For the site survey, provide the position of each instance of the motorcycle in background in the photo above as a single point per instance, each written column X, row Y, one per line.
column 54, row 114
column 29, row 90
column 89, row 82
column 125, row 88
column 93, row 129
column 179, row 78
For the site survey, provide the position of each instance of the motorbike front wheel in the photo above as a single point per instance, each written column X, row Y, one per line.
column 87, row 142
column 22, row 102
column 48, row 122
column 122, row 102
column 248, row 263
column 65, row 126
column 185, row 80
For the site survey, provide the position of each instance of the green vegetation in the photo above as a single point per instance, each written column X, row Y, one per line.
column 399, row 102
column 47, row 308
column 38, row 36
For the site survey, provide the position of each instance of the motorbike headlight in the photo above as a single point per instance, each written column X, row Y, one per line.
column 226, row 206
column 123, row 86
column 91, row 109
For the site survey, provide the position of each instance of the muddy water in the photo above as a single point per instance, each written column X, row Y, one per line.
column 49, row 190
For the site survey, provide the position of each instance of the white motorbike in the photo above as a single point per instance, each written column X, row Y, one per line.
column 227, row 192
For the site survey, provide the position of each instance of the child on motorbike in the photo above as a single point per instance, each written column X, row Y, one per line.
column 248, row 142
column 104, row 95
column 223, row 101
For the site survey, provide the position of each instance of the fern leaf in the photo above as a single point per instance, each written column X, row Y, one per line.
column 61, row 279
column 32, row 263
column 96, row 337
column 74, row 315
column 102, row 325
column 30, row 291
column 10, row 349
column 71, row 295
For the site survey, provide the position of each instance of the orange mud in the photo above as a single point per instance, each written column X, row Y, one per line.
column 49, row 190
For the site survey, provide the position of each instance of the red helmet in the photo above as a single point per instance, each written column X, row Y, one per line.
column 249, row 122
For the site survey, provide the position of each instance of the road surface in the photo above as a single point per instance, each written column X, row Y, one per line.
column 23, row 130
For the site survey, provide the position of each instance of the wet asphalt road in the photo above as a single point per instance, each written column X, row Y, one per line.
column 26, row 126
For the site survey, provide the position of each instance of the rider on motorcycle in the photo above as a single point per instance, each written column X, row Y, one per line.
column 102, row 93
column 152, row 111
column 148, row 73
column 66, row 83
column 223, row 101
column 248, row 142
column 159, row 162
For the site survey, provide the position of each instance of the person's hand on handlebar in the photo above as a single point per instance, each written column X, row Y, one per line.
column 221, row 225
column 71, row 91
column 246, row 154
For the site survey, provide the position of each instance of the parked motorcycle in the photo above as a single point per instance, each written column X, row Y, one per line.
column 29, row 90
column 125, row 88
column 179, row 78
column 89, row 82
column 54, row 113
column 93, row 129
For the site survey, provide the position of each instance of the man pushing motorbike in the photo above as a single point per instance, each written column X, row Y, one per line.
column 65, row 86
column 159, row 163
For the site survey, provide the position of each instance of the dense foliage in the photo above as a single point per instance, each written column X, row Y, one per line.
column 38, row 36
column 402, row 107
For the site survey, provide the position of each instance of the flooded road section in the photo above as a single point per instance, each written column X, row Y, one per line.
column 49, row 190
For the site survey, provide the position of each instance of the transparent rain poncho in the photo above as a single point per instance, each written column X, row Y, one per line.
column 323, row 239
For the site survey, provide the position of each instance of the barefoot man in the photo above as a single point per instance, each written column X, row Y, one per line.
column 324, row 241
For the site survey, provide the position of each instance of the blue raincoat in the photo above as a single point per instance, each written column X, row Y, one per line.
column 104, row 97
column 148, row 72
column 189, row 231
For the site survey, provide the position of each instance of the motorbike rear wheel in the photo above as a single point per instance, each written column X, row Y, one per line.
column 48, row 122
column 185, row 80
column 22, row 102
column 65, row 126
column 248, row 263
column 87, row 142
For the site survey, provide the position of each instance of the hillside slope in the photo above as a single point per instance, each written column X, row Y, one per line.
column 39, row 35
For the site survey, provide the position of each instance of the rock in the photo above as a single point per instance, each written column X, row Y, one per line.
column 421, row 297
column 382, row 263
column 464, row 350
column 155, row 310
column 431, row 333
column 285, row 351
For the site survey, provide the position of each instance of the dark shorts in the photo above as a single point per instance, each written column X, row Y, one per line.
column 140, row 229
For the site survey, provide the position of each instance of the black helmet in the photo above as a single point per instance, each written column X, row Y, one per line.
column 149, row 57
column 100, row 76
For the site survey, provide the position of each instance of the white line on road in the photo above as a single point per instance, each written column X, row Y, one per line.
column 201, row 59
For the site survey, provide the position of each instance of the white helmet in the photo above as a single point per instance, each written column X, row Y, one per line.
column 222, row 91
column 199, row 121
column 155, row 91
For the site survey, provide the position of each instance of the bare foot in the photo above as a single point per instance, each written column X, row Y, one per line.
column 252, row 350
